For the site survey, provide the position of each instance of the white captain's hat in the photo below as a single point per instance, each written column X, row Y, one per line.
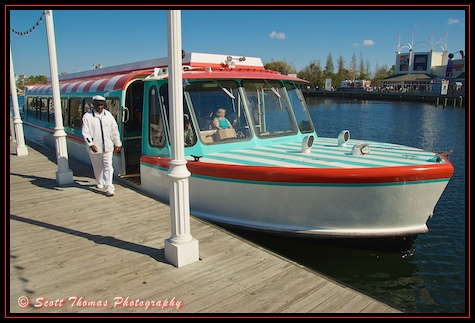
column 98, row 98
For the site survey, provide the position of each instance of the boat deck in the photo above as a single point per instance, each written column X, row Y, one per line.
column 325, row 153
column 72, row 242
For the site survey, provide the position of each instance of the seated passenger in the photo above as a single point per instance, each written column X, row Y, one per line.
column 220, row 121
column 188, row 135
column 205, row 120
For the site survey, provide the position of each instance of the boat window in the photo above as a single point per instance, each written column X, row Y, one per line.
column 299, row 105
column 270, row 107
column 88, row 105
column 44, row 109
column 206, row 97
column 156, row 133
column 51, row 111
column 113, row 104
column 32, row 108
column 65, row 111
column 32, row 105
column 75, row 110
column 189, row 129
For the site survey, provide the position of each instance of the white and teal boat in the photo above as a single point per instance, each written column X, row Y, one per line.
column 271, row 172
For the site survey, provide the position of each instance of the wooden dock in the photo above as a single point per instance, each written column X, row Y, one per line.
column 74, row 251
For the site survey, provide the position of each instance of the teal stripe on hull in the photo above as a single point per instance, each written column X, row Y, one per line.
column 318, row 184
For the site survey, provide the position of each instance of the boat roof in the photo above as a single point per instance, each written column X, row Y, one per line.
column 104, row 84
column 189, row 61
column 195, row 66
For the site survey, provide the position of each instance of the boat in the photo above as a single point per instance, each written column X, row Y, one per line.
column 272, row 173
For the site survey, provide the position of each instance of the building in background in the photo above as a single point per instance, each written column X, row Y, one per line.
column 359, row 85
column 426, row 70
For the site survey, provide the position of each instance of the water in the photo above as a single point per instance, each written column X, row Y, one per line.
column 429, row 278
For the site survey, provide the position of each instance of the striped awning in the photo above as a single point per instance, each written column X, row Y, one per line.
column 108, row 83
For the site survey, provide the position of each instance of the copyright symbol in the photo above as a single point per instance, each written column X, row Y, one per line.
column 23, row 301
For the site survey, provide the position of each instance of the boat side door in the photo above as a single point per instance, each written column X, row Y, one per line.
column 132, row 127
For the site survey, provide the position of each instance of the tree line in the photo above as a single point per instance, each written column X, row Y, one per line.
column 313, row 72
column 317, row 75
column 21, row 82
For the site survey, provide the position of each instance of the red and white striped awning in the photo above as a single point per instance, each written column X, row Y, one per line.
column 109, row 83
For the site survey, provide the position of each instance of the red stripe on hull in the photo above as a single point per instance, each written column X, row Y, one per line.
column 314, row 175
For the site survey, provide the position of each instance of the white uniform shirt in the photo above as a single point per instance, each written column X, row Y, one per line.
column 100, row 130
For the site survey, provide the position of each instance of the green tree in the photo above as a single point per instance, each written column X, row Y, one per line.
column 281, row 67
column 353, row 68
column 329, row 66
column 392, row 71
column 365, row 74
column 22, row 81
column 342, row 73
column 313, row 73
column 367, row 70
column 379, row 74
column 329, row 71
column 362, row 68
column 39, row 79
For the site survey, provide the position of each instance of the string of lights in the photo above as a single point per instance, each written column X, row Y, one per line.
column 31, row 30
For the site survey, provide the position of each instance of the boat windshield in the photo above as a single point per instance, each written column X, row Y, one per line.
column 205, row 98
column 297, row 100
column 270, row 107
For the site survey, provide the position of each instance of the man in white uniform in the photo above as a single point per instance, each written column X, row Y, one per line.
column 101, row 134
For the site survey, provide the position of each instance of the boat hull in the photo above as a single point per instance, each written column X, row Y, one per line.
column 305, row 202
column 326, row 209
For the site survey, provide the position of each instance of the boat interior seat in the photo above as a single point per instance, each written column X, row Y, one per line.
column 207, row 136
column 157, row 137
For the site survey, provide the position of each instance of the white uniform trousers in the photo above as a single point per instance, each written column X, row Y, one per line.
column 103, row 169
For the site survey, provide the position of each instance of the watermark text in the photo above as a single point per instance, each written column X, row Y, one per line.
column 117, row 302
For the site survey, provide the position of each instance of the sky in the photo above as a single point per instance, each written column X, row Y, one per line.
column 297, row 35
